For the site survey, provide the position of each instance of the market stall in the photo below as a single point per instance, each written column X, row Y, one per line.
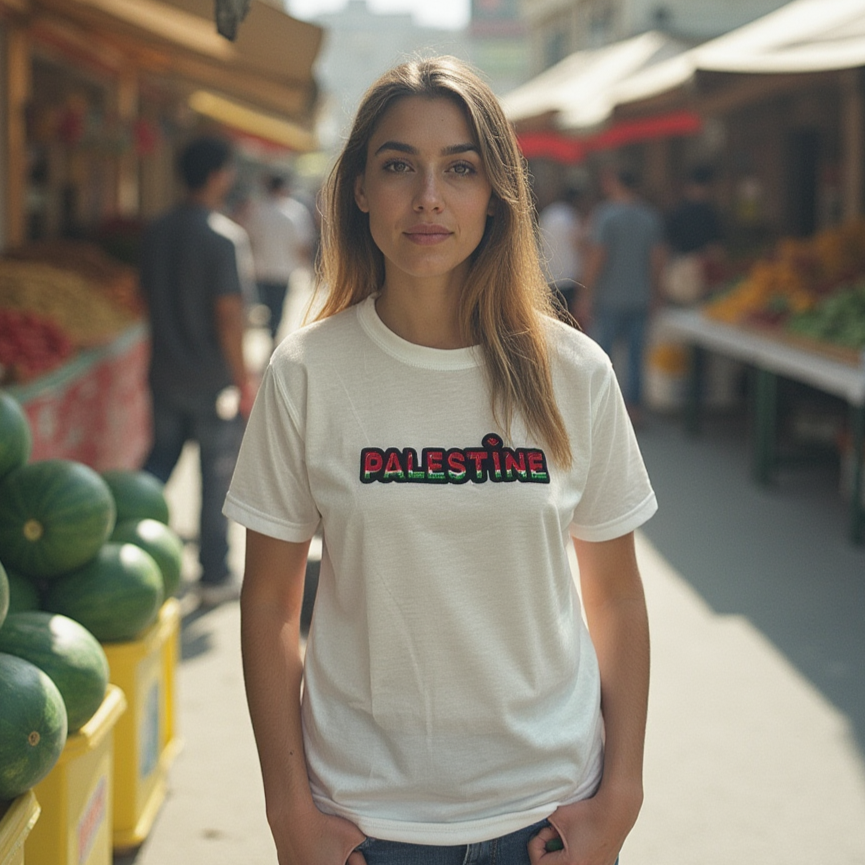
column 773, row 359
column 97, row 97
column 782, row 99
column 798, row 314
column 95, row 408
column 563, row 116
column 74, row 350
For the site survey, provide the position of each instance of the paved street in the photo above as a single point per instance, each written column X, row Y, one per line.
column 756, row 744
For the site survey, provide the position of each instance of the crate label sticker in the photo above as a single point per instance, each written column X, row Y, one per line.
column 149, row 752
column 92, row 819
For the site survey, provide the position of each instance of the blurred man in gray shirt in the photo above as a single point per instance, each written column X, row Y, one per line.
column 623, row 266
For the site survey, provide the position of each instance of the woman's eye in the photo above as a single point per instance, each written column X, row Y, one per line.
column 396, row 166
column 463, row 169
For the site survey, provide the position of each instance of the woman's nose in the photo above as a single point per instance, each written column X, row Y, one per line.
column 428, row 195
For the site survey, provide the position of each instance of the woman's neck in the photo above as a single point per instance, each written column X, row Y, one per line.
column 424, row 314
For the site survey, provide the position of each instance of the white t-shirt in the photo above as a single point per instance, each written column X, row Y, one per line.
column 451, row 689
column 280, row 229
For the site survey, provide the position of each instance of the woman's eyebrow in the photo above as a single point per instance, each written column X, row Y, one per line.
column 397, row 145
column 402, row 147
column 460, row 148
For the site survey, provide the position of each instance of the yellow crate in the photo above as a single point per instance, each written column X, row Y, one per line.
column 75, row 827
column 147, row 740
column 15, row 825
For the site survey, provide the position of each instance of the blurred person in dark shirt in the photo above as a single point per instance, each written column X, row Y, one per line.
column 693, row 234
column 196, row 275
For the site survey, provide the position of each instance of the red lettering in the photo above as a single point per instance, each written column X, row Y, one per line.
column 457, row 463
column 373, row 462
column 393, row 466
column 515, row 462
column 434, row 461
column 536, row 463
column 413, row 472
column 477, row 457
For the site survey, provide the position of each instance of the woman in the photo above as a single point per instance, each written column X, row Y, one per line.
column 446, row 434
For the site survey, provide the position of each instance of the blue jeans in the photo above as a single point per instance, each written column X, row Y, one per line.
column 612, row 326
column 510, row 849
column 218, row 441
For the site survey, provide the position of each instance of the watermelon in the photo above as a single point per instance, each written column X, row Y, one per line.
column 65, row 650
column 23, row 593
column 32, row 725
column 161, row 542
column 16, row 440
column 116, row 595
column 138, row 495
column 4, row 594
column 54, row 516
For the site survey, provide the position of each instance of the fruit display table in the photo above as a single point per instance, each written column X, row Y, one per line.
column 772, row 359
column 95, row 408
column 16, row 823
column 147, row 736
column 76, row 796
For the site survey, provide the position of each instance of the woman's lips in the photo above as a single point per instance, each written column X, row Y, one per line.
column 426, row 235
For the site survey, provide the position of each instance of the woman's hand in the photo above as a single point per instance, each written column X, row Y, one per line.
column 590, row 832
column 593, row 831
column 317, row 839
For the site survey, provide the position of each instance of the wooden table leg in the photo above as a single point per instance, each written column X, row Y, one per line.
column 857, row 511
column 694, row 394
column 765, row 425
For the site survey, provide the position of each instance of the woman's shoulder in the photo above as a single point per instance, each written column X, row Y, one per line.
column 326, row 336
column 572, row 347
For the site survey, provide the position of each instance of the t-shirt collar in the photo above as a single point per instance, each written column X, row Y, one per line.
column 408, row 352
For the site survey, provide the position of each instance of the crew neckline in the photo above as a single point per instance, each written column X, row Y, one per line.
column 409, row 352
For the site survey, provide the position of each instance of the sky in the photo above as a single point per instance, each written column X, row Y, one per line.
column 450, row 14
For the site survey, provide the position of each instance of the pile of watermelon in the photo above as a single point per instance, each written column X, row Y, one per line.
column 85, row 559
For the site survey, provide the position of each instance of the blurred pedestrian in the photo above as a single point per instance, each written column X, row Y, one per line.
column 450, row 437
column 621, row 277
column 693, row 234
column 281, row 232
column 196, row 275
column 560, row 226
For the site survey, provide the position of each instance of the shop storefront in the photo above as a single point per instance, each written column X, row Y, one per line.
column 784, row 97
column 97, row 97
column 780, row 117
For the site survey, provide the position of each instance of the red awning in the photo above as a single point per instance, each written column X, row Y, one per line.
column 550, row 144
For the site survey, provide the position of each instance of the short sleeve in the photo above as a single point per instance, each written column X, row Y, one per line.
column 270, row 490
column 618, row 496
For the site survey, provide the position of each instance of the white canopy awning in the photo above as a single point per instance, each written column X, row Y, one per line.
column 803, row 36
column 269, row 66
column 578, row 90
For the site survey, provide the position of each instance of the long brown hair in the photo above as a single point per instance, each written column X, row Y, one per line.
column 506, row 300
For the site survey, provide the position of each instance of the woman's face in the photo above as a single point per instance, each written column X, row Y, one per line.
column 425, row 189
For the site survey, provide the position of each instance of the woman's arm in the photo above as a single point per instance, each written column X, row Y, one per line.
column 270, row 605
column 594, row 830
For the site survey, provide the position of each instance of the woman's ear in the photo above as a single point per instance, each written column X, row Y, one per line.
column 493, row 205
column 360, row 195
